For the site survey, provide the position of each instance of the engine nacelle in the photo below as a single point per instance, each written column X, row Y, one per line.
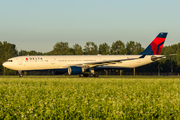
column 74, row 70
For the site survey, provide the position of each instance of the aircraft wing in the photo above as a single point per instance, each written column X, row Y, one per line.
column 100, row 63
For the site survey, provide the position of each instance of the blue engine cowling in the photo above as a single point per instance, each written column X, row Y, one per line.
column 74, row 70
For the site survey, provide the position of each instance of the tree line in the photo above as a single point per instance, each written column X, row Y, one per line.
column 171, row 64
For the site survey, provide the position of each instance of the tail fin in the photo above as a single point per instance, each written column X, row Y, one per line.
column 156, row 45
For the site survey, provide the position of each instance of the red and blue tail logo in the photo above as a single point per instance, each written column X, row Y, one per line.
column 156, row 45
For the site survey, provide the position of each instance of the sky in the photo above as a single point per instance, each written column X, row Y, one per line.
column 39, row 24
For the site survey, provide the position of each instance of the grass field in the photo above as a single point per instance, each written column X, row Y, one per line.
column 89, row 98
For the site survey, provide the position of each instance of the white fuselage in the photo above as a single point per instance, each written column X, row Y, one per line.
column 23, row 63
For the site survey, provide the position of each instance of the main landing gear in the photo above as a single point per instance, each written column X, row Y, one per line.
column 91, row 74
column 88, row 75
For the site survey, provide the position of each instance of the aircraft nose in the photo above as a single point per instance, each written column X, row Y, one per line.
column 4, row 64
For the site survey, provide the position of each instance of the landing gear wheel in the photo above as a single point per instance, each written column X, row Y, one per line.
column 81, row 75
column 85, row 75
column 96, row 75
column 91, row 75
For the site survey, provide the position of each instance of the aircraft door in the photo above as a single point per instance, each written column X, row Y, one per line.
column 53, row 60
column 20, row 61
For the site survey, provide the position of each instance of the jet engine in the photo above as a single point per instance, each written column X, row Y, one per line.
column 74, row 70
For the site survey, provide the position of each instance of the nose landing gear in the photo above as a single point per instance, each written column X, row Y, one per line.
column 20, row 74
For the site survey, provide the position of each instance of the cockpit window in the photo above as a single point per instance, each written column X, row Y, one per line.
column 9, row 61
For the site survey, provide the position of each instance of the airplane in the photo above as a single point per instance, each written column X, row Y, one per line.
column 82, row 64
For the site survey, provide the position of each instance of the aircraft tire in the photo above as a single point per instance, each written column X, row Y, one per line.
column 91, row 75
column 81, row 75
column 96, row 75
column 85, row 75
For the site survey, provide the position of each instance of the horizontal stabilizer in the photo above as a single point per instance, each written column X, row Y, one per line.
column 154, row 58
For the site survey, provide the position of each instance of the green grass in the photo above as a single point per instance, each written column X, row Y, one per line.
column 89, row 98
